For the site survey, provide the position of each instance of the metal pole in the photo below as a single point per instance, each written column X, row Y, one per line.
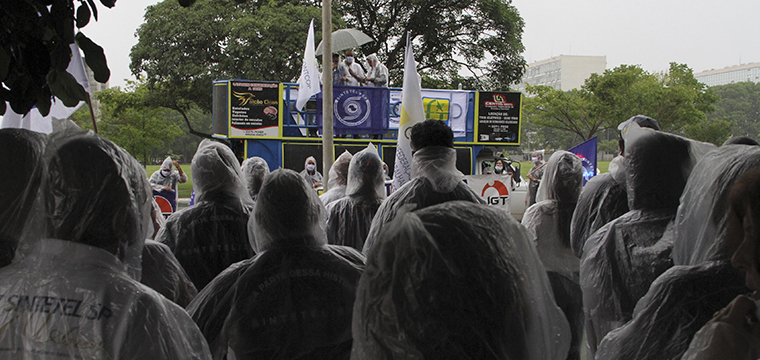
column 327, row 92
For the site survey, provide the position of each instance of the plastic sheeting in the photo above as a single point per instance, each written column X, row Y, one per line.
column 699, row 224
column 21, row 157
column 211, row 235
column 349, row 219
column 456, row 281
column 254, row 170
column 162, row 272
column 684, row 298
column 312, row 178
column 719, row 340
column 158, row 180
column 435, row 180
column 294, row 299
column 623, row 258
column 74, row 293
column 548, row 223
column 336, row 182
column 602, row 200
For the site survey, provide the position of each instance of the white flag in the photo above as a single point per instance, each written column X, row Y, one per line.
column 33, row 120
column 412, row 112
column 308, row 83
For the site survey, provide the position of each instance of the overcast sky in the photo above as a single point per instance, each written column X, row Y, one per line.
column 651, row 33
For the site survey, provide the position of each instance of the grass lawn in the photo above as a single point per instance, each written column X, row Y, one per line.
column 526, row 165
column 184, row 189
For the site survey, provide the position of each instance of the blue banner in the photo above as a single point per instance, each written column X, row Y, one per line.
column 357, row 110
column 587, row 152
column 166, row 199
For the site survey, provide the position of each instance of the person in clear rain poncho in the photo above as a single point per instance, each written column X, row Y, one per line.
column 457, row 280
column 294, row 299
column 336, row 182
column 621, row 259
column 435, row 178
column 310, row 173
column 21, row 159
column 349, row 218
column 734, row 332
column 548, row 221
column 74, row 294
column 211, row 235
column 254, row 170
column 702, row 281
column 604, row 197
column 166, row 178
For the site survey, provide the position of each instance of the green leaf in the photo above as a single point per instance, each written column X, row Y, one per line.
column 108, row 3
column 65, row 87
column 43, row 103
column 95, row 58
column 94, row 9
column 2, row 107
column 186, row 3
column 5, row 63
column 83, row 16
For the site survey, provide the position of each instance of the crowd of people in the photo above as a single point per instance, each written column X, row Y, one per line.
column 657, row 259
column 350, row 73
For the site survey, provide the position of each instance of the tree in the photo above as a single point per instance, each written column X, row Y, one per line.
column 715, row 130
column 564, row 110
column 675, row 99
column 739, row 104
column 483, row 36
column 133, row 126
column 181, row 51
column 35, row 52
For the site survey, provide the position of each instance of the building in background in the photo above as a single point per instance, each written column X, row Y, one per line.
column 730, row 75
column 94, row 88
column 564, row 72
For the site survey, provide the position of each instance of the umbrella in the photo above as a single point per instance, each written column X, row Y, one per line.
column 346, row 39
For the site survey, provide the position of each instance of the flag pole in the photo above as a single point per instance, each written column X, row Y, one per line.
column 92, row 113
column 327, row 92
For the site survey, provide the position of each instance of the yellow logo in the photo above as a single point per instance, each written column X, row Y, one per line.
column 436, row 109
column 244, row 98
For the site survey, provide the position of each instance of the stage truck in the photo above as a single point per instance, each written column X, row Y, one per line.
column 259, row 118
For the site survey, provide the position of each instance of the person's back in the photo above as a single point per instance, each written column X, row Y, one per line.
column 338, row 177
column 435, row 178
column 294, row 298
column 456, row 281
column 686, row 296
column 254, row 170
column 73, row 292
column 349, row 218
column 621, row 259
column 211, row 235
column 21, row 157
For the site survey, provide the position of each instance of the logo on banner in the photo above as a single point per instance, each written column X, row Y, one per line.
column 352, row 108
column 502, row 193
column 499, row 101
column 436, row 109
column 588, row 168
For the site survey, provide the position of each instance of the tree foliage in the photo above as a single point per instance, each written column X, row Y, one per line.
column 35, row 52
column 137, row 128
column 739, row 104
column 181, row 51
column 677, row 100
column 483, row 36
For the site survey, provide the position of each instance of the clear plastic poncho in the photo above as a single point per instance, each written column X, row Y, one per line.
column 159, row 180
column 211, row 235
column 603, row 199
column 74, row 294
column 456, row 281
column 622, row 259
column 254, row 170
column 294, row 299
column 435, row 180
column 548, row 223
column 161, row 271
column 336, row 182
column 311, row 178
column 21, row 157
column 349, row 218
column 685, row 297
